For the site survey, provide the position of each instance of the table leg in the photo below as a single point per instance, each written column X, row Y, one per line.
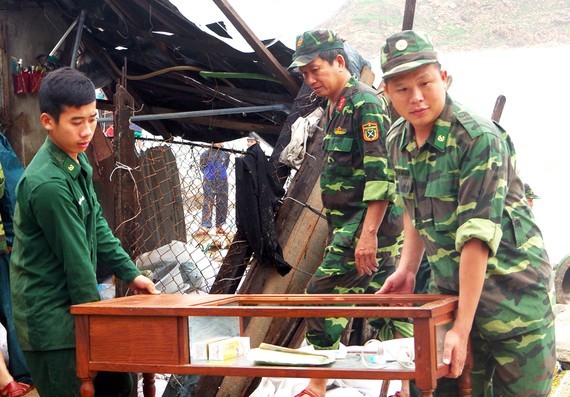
column 427, row 393
column 149, row 390
column 465, row 386
column 87, row 389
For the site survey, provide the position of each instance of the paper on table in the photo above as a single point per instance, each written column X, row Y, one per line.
column 267, row 354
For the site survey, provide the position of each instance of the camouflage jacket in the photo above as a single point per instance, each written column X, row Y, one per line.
column 356, row 168
column 462, row 184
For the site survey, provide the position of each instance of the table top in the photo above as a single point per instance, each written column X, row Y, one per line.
column 273, row 305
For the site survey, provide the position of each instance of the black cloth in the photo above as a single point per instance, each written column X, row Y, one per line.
column 257, row 202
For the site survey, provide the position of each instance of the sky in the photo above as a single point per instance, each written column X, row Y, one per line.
column 535, row 82
column 293, row 16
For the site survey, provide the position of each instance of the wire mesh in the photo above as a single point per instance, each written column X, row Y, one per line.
column 184, row 223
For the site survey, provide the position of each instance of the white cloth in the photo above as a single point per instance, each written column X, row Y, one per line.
column 4, row 343
column 304, row 127
column 287, row 387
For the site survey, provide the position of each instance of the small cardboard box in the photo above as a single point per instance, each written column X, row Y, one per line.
column 228, row 348
column 204, row 330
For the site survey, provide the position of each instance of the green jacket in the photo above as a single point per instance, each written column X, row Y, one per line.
column 462, row 184
column 60, row 236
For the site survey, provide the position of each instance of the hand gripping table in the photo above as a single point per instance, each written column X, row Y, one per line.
column 150, row 334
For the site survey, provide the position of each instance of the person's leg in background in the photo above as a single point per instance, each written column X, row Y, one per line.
column 207, row 207
column 221, row 205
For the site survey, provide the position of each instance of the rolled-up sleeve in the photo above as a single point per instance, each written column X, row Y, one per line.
column 482, row 191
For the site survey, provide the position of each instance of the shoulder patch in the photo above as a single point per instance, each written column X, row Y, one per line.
column 370, row 131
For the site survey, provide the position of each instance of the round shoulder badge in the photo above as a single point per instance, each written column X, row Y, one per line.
column 401, row 45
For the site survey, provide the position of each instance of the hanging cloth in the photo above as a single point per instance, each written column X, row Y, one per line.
column 257, row 201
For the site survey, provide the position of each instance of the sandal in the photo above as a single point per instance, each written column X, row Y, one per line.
column 16, row 389
column 201, row 232
column 306, row 392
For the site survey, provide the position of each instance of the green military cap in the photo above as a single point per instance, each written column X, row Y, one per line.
column 405, row 51
column 529, row 193
column 311, row 43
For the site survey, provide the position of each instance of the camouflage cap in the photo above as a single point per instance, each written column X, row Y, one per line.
column 311, row 43
column 405, row 51
column 529, row 193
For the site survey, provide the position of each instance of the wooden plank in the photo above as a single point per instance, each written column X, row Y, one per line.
column 267, row 57
column 409, row 13
column 125, row 200
column 498, row 109
column 108, row 331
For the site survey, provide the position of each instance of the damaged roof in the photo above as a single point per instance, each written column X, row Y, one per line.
column 169, row 64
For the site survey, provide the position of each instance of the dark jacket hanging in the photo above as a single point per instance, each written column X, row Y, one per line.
column 257, row 201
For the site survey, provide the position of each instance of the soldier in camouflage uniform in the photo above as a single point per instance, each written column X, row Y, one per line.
column 357, row 187
column 530, row 195
column 465, row 205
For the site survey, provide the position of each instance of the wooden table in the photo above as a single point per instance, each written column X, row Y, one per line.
column 150, row 334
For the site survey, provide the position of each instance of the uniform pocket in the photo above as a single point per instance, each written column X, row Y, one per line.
column 339, row 155
column 442, row 195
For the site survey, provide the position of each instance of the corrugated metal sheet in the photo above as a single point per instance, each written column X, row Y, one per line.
column 184, row 71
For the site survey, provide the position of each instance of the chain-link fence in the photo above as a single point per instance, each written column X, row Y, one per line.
column 196, row 186
column 185, row 218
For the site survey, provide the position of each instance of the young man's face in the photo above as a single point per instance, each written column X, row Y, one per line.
column 74, row 130
column 419, row 95
column 326, row 79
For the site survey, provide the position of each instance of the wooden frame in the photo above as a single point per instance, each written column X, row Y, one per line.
column 149, row 334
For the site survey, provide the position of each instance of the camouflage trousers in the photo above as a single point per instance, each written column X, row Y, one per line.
column 522, row 366
column 337, row 274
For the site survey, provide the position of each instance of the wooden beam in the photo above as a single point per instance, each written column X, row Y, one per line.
column 259, row 48
column 409, row 13
column 125, row 200
column 498, row 109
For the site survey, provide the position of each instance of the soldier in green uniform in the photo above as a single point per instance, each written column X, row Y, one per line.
column 357, row 187
column 465, row 205
column 60, row 237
